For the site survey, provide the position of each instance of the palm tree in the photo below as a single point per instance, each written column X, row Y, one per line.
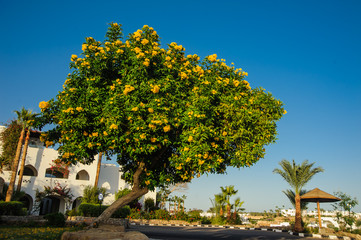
column 24, row 118
column 227, row 193
column 297, row 176
column 291, row 196
column 98, row 169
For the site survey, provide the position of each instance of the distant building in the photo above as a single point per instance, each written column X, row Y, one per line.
column 38, row 173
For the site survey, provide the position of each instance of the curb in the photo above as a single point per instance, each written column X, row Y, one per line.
column 244, row 228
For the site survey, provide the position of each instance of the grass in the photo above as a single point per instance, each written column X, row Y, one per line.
column 36, row 233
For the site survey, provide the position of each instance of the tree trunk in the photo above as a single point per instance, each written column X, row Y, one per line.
column 98, row 169
column 298, row 217
column 18, row 187
column 228, row 212
column 14, row 169
column 136, row 192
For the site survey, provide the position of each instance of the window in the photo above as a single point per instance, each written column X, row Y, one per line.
column 82, row 175
column 56, row 173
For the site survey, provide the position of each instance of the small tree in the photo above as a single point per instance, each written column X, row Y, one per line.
column 9, row 139
column 345, row 205
column 91, row 194
column 167, row 117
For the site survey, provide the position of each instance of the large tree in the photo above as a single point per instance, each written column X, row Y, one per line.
column 167, row 117
column 297, row 175
column 25, row 118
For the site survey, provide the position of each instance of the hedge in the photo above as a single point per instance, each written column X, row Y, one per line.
column 94, row 210
column 14, row 208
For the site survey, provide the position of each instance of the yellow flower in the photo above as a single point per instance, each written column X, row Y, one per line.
column 186, row 149
column 236, row 83
column 153, row 140
column 79, row 109
column 73, row 57
column 200, row 162
column 155, row 89
column 128, row 89
column 84, row 46
column 134, row 109
column 145, row 41
column 127, row 140
column 212, row 58
column 146, row 62
column 166, row 128
column 224, row 133
column 214, row 91
column 95, row 134
column 142, row 136
column 284, row 111
column 190, row 138
column 147, row 182
column 167, row 58
column 150, row 110
column 152, row 126
column 43, row 105
column 105, row 133
column 113, row 126
column 90, row 145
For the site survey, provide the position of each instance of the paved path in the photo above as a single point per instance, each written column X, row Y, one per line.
column 203, row 233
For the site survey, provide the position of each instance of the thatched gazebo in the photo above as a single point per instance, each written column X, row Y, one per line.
column 316, row 195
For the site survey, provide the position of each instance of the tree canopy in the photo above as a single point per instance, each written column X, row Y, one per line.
column 167, row 116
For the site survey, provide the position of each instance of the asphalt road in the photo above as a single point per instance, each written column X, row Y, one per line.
column 200, row 233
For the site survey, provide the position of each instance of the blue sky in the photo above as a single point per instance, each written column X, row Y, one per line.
column 306, row 53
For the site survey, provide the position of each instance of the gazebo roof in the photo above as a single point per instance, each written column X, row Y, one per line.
column 317, row 195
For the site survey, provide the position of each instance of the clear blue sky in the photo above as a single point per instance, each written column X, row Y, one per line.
column 306, row 53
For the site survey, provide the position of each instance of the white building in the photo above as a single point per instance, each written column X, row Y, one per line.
column 38, row 174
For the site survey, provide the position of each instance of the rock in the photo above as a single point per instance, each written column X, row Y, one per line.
column 104, row 232
column 133, row 235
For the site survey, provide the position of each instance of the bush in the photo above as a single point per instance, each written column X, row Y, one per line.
column 55, row 219
column 72, row 212
column 123, row 212
column 91, row 210
column 149, row 204
column 94, row 210
column 91, row 194
column 194, row 215
column 14, row 208
column 161, row 214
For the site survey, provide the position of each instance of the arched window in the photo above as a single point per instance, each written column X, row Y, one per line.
column 82, row 175
column 29, row 170
column 56, row 173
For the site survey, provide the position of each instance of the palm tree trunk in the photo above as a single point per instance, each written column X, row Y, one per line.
column 14, row 169
column 18, row 187
column 98, row 169
column 298, row 217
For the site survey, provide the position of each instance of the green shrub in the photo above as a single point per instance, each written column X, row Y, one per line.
column 205, row 220
column 161, row 214
column 73, row 212
column 55, row 219
column 94, row 210
column 149, row 204
column 123, row 212
column 91, row 210
column 194, row 215
column 91, row 194
column 14, row 208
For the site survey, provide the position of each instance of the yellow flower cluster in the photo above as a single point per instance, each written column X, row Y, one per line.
column 68, row 154
column 212, row 58
column 44, row 105
column 128, row 89
column 166, row 128
column 73, row 57
column 155, row 89
column 113, row 126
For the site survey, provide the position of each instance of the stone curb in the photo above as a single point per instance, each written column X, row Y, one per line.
column 243, row 228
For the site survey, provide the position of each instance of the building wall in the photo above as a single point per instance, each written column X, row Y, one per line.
column 41, row 159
